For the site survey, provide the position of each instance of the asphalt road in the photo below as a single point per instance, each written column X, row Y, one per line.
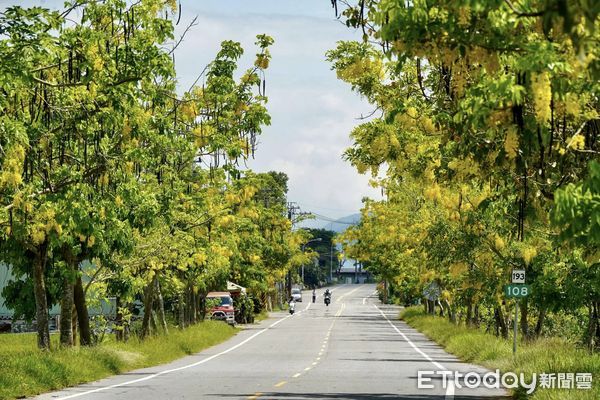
column 353, row 349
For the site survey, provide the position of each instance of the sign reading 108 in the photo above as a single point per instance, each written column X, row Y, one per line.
column 517, row 291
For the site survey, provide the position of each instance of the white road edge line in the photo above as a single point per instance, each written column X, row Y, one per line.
column 367, row 297
column 450, row 388
column 175, row 369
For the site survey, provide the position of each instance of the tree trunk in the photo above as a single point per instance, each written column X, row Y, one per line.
column 161, row 308
column 181, row 311
column 83, row 318
column 188, row 306
column 540, row 322
column 41, row 302
column 148, row 301
column 431, row 306
column 597, row 317
column 202, row 306
column 476, row 315
column 593, row 326
column 469, row 317
column 385, row 291
column 74, row 319
column 153, row 322
column 450, row 312
column 194, row 306
column 439, row 303
column 67, row 302
column 288, row 284
column 66, row 314
column 501, row 322
column 118, row 320
column 127, row 323
column 524, row 309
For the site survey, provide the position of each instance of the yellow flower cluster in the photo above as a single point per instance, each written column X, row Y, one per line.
column 95, row 58
column 464, row 16
column 189, row 110
column 511, row 143
column 103, row 180
column 46, row 223
column 576, row 142
column 542, row 95
column 572, row 105
column 528, row 254
column 498, row 243
column 465, row 167
column 458, row 269
column 198, row 259
column 433, row 192
column 486, row 58
column 262, row 61
column 12, row 167
column 360, row 68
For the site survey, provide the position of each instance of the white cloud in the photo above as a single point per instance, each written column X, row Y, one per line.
column 312, row 112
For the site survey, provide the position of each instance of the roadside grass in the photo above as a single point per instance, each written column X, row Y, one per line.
column 547, row 355
column 261, row 316
column 264, row 314
column 26, row 371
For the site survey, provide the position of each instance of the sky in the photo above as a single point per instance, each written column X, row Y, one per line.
column 312, row 113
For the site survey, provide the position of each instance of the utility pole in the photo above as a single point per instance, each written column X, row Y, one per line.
column 294, row 214
column 331, row 262
column 292, row 210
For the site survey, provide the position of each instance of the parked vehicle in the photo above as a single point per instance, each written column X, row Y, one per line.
column 297, row 294
column 221, row 307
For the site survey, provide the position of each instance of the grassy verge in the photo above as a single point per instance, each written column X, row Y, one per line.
column 549, row 355
column 264, row 314
column 26, row 371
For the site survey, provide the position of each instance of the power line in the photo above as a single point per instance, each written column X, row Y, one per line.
column 329, row 208
column 329, row 219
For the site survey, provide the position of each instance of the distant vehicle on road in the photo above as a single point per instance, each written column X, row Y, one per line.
column 222, row 307
column 297, row 294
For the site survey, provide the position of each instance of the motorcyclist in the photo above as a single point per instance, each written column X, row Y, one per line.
column 292, row 305
column 327, row 297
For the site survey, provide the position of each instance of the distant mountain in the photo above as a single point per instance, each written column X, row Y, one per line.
column 342, row 224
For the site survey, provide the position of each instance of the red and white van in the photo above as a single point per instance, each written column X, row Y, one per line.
column 223, row 310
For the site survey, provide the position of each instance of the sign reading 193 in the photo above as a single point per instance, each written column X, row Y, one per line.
column 518, row 276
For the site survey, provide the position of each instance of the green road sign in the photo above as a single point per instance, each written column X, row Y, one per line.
column 516, row 290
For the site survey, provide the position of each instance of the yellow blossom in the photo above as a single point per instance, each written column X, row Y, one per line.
column 542, row 96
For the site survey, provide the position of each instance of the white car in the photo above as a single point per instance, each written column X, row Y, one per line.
column 297, row 294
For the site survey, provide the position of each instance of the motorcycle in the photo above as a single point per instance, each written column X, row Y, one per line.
column 292, row 306
column 327, row 300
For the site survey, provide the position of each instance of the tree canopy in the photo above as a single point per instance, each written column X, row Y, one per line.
column 485, row 141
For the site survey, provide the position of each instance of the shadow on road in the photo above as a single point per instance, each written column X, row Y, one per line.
column 357, row 396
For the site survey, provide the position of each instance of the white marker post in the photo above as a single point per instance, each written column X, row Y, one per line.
column 518, row 276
